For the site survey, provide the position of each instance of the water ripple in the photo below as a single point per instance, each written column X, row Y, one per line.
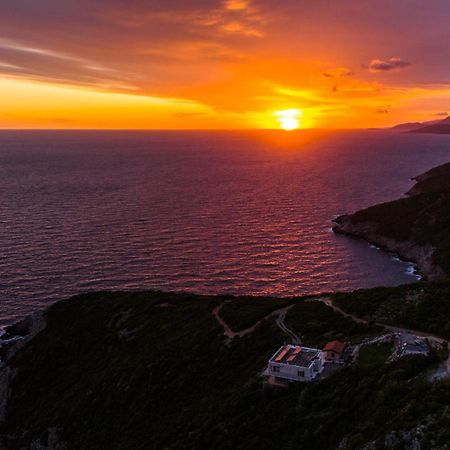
column 194, row 212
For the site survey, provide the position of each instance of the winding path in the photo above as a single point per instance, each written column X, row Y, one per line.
column 280, row 313
column 441, row 372
column 283, row 327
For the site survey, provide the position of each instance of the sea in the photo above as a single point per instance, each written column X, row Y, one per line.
column 236, row 212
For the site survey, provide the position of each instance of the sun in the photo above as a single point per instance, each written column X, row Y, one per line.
column 289, row 123
column 289, row 119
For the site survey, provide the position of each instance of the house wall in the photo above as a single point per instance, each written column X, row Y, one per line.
column 330, row 356
column 295, row 373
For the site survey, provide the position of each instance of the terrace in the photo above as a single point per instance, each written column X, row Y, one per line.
column 295, row 363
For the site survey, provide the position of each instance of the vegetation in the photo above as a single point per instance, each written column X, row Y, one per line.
column 435, row 180
column 153, row 370
column 129, row 371
column 374, row 354
column 316, row 324
column 422, row 218
column 420, row 306
column 243, row 312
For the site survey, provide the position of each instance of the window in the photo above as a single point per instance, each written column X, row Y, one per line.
column 301, row 373
column 275, row 368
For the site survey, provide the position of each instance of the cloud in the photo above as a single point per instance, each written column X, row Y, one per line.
column 236, row 5
column 382, row 111
column 392, row 64
column 182, row 115
column 228, row 53
column 337, row 73
column 441, row 114
column 152, row 47
column 42, row 64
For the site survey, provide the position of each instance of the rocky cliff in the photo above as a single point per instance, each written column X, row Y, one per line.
column 415, row 227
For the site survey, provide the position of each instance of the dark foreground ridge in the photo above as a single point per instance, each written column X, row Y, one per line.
column 158, row 371
column 415, row 227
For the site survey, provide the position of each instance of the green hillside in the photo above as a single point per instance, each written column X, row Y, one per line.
column 154, row 371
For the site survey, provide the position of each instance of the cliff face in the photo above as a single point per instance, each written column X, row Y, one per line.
column 421, row 255
column 17, row 337
column 415, row 227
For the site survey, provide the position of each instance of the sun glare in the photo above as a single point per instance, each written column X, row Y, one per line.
column 289, row 119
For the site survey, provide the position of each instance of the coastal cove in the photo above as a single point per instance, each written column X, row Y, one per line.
column 415, row 227
column 389, row 389
column 233, row 213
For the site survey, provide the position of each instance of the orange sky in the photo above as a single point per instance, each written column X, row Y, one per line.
column 222, row 63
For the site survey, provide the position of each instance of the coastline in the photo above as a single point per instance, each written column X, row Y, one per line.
column 412, row 227
column 420, row 257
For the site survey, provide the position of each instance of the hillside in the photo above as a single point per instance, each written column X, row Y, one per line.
column 415, row 227
column 408, row 126
column 419, row 306
column 440, row 126
column 443, row 128
column 153, row 370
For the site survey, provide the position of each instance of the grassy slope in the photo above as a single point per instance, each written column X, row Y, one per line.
column 374, row 354
column 141, row 371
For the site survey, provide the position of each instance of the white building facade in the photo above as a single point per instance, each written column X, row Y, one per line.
column 295, row 363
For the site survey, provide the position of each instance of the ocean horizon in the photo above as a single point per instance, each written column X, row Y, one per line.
column 208, row 212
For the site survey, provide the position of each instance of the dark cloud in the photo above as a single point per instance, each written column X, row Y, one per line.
column 379, row 65
column 337, row 73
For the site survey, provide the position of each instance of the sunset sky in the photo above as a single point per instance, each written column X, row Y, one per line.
column 223, row 64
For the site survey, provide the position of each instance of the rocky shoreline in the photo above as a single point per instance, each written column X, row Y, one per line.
column 420, row 255
column 413, row 227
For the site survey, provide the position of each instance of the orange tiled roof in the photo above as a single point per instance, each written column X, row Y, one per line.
column 335, row 346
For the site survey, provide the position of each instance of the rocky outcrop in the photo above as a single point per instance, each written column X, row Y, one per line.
column 10, row 344
column 414, row 227
column 19, row 334
column 6, row 375
column 421, row 255
column 53, row 442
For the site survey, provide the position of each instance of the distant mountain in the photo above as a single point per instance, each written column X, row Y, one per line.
column 407, row 126
column 441, row 126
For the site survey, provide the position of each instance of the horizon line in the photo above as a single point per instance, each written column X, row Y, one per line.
column 196, row 129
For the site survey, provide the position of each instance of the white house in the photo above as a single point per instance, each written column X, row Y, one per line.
column 295, row 363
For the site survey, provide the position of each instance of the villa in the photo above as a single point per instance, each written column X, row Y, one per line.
column 295, row 363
